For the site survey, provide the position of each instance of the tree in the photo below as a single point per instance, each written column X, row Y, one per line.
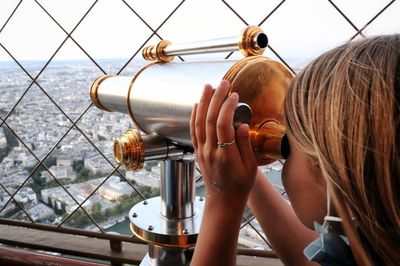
column 77, row 165
column 96, row 212
column 50, row 161
column 12, row 142
column 80, row 219
column 83, row 174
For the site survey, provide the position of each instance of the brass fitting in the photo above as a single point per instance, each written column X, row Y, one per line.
column 251, row 36
column 129, row 150
column 93, row 92
column 147, row 53
column 156, row 52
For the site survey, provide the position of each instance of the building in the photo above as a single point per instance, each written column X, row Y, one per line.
column 63, row 172
column 3, row 139
column 113, row 189
column 144, row 178
column 58, row 199
column 25, row 195
column 4, row 197
column 41, row 212
column 46, row 175
column 95, row 164
column 64, row 161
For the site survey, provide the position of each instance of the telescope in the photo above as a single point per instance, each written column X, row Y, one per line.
column 159, row 98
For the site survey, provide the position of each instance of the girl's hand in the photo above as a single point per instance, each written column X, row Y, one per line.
column 229, row 168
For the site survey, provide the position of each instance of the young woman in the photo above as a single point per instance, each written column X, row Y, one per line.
column 342, row 116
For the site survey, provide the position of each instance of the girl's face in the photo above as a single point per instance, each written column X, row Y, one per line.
column 305, row 187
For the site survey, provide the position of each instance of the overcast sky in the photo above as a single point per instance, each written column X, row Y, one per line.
column 300, row 29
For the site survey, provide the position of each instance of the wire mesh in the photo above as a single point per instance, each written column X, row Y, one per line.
column 75, row 124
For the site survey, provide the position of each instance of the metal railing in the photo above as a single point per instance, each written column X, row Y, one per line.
column 74, row 123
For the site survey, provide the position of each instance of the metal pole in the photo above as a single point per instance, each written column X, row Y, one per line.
column 177, row 188
column 251, row 41
column 170, row 223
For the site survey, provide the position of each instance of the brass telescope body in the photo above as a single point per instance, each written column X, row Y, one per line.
column 160, row 98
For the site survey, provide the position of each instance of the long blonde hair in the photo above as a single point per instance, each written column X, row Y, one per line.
column 343, row 111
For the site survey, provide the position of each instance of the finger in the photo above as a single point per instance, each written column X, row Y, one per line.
column 201, row 114
column 214, row 109
column 245, row 149
column 192, row 127
column 225, row 130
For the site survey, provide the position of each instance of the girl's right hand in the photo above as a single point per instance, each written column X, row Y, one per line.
column 231, row 169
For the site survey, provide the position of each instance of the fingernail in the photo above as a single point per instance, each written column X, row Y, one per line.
column 234, row 96
column 223, row 84
column 244, row 130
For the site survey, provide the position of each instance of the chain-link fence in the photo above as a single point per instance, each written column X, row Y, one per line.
column 56, row 165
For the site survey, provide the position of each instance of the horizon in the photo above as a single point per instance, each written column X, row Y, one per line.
column 69, row 60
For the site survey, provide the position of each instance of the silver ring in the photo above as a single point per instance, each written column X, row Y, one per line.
column 225, row 144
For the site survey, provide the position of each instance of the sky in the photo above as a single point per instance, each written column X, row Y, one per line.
column 298, row 30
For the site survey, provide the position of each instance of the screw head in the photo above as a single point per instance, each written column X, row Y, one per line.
column 150, row 228
column 134, row 215
column 201, row 199
column 145, row 202
column 185, row 231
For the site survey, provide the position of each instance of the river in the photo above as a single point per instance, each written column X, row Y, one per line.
column 122, row 228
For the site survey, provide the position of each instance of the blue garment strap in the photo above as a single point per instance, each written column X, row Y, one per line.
column 330, row 249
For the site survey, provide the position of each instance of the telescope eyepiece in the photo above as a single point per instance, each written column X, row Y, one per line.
column 261, row 40
column 269, row 141
column 129, row 150
column 285, row 147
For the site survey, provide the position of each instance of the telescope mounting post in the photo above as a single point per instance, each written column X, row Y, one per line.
column 170, row 223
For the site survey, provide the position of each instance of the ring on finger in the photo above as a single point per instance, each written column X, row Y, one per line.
column 225, row 144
